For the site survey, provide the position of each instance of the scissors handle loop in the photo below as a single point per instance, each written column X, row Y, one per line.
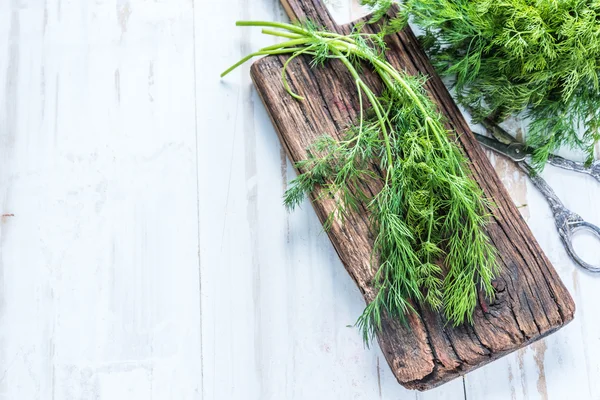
column 567, row 223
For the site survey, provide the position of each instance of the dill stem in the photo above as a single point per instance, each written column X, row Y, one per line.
column 374, row 103
column 431, row 216
column 284, row 34
column 383, row 65
column 286, row 84
column 360, row 104
column 280, row 25
column 290, row 43
column 261, row 53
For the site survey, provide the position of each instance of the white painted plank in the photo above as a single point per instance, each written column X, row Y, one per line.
column 99, row 263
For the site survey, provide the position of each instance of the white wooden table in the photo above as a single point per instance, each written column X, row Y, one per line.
column 144, row 250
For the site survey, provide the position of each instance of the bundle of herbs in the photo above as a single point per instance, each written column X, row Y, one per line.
column 538, row 58
column 429, row 216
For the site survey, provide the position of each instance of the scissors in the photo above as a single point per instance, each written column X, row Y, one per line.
column 567, row 222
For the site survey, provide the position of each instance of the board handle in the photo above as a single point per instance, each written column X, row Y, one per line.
column 314, row 10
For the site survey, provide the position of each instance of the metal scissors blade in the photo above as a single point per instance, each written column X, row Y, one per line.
column 515, row 151
column 503, row 136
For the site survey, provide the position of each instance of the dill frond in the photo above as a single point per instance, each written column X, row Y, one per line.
column 428, row 219
column 536, row 58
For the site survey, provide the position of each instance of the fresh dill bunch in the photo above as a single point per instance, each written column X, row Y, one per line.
column 428, row 217
column 539, row 58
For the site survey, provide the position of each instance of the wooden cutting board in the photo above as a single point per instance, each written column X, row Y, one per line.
column 531, row 300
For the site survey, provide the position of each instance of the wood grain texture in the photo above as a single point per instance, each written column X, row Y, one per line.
column 531, row 300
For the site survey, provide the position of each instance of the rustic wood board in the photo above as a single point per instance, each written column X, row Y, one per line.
column 531, row 300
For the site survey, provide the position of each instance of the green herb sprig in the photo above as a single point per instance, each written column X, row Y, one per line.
column 539, row 58
column 429, row 216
